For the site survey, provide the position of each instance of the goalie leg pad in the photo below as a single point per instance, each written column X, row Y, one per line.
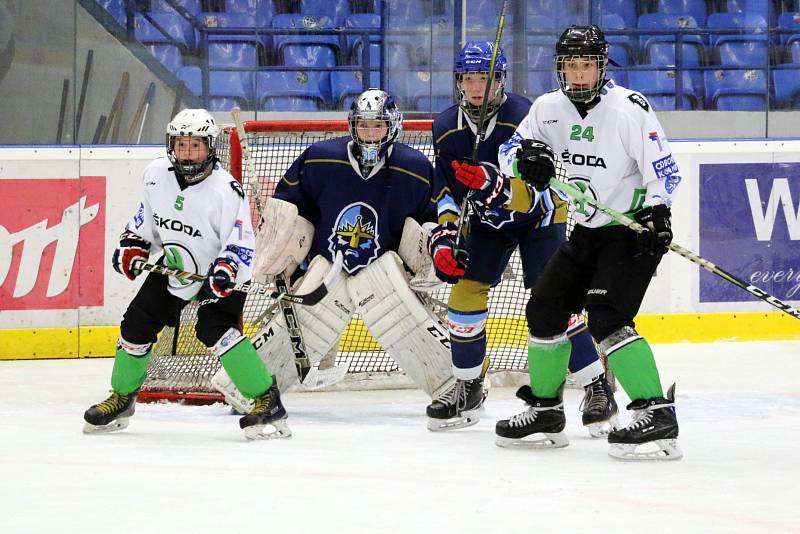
column 283, row 240
column 410, row 333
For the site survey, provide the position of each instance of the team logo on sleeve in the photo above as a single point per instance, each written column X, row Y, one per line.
column 138, row 219
column 665, row 167
column 654, row 137
column 355, row 235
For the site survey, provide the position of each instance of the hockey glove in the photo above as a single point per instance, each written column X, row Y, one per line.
column 536, row 163
column 221, row 277
column 657, row 221
column 489, row 186
column 131, row 247
column 448, row 262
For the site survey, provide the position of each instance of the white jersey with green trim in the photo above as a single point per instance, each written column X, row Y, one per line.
column 195, row 225
column 617, row 152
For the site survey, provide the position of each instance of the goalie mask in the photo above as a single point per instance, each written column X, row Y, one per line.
column 476, row 58
column 194, row 123
column 581, row 59
column 374, row 123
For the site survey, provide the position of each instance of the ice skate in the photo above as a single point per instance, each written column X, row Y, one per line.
column 599, row 408
column 652, row 434
column 458, row 407
column 110, row 415
column 267, row 419
column 544, row 417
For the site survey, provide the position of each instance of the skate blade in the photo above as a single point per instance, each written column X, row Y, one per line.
column 468, row 418
column 602, row 429
column 549, row 441
column 667, row 449
column 113, row 426
column 274, row 430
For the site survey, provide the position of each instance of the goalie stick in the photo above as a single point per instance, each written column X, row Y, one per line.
column 480, row 130
column 250, row 287
column 320, row 377
column 580, row 196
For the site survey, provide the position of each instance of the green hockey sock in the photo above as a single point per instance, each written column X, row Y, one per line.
column 129, row 372
column 635, row 369
column 547, row 366
column 246, row 369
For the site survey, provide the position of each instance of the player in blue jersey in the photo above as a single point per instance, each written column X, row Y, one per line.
column 502, row 221
column 364, row 197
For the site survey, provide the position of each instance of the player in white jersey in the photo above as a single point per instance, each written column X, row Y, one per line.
column 613, row 147
column 198, row 216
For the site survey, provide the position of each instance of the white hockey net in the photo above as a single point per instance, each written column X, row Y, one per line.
column 181, row 366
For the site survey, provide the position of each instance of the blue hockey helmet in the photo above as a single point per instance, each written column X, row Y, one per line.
column 476, row 57
column 374, row 105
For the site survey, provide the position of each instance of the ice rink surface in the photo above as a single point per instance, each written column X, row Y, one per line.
column 365, row 462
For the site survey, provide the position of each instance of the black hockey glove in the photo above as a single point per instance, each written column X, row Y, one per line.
column 658, row 234
column 132, row 247
column 448, row 262
column 536, row 163
column 221, row 277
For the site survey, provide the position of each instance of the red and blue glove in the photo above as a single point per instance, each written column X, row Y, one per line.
column 448, row 262
column 489, row 186
column 221, row 277
column 132, row 247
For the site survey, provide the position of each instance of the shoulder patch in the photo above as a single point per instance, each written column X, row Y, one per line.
column 639, row 100
column 236, row 186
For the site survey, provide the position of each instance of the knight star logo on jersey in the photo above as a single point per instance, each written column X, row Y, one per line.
column 355, row 235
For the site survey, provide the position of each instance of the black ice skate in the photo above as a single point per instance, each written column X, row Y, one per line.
column 543, row 416
column 110, row 415
column 458, row 407
column 267, row 419
column 599, row 408
column 654, row 428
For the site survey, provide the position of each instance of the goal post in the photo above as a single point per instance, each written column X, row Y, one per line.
column 181, row 367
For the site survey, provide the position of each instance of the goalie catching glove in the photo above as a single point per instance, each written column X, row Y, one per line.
column 221, row 277
column 536, row 163
column 489, row 186
column 658, row 229
column 131, row 248
column 448, row 263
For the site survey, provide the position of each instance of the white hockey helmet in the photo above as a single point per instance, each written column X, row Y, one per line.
column 374, row 104
column 193, row 123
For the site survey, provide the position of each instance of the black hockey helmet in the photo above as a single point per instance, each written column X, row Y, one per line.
column 585, row 42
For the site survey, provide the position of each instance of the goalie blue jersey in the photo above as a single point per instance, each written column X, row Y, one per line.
column 453, row 137
column 360, row 216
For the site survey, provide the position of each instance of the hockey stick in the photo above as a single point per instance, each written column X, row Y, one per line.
column 321, row 377
column 62, row 110
column 151, row 91
column 87, row 71
column 250, row 287
column 580, row 196
column 480, row 130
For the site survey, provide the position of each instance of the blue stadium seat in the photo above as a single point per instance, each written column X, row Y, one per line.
column 169, row 55
column 665, row 54
column 763, row 8
column 409, row 13
column 660, row 88
column 336, row 10
column 695, row 8
column 624, row 8
column 786, row 83
column 345, row 86
column 261, row 10
column 304, row 22
column 178, row 30
column 540, row 56
column 291, row 90
column 744, row 89
column 232, row 54
column 354, row 44
column 228, row 88
column 483, row 13
column 751, row 54
column 544, row 24
column 620, row 55
column 431, row 92
column 789, row 22
column 612, row 21
column 540, row 82
column 793, row 52
column 192, row 6
column 662, row 22
column 301, row 56
column 192, row 77
column 115, row 8
column 748, row 26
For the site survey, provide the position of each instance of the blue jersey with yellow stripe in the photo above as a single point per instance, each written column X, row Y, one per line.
column 361, row 217
column 453, row 139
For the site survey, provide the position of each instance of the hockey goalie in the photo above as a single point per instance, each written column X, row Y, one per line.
column 355, row 204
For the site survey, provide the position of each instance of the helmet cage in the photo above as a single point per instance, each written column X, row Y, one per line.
column 374, row 105
column 192, row 172
column 583, row 95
